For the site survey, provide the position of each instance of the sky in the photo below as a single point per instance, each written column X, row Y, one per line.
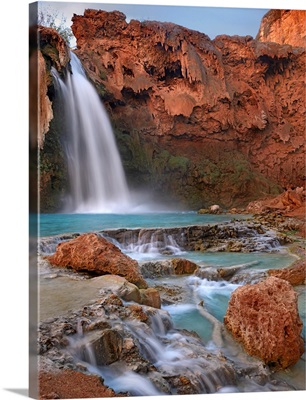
column 212, row 21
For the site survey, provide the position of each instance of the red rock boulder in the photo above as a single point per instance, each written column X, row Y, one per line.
column 290, row 200
column 264, row 318
column 295, row 275
column 92, row 253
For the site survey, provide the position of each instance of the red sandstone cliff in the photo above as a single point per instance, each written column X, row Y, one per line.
column 284, row 27
column 47, row 48
column 224, row 117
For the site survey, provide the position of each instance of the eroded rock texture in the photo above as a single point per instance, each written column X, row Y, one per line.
column 47, row 50
column 264, row 318
column 295, row 275
column 284, row 27
column 92, row 253
column 203, row 120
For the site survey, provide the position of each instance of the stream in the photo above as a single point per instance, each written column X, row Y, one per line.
column 180, row 339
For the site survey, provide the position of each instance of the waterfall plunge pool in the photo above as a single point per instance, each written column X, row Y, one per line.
column 55, row 224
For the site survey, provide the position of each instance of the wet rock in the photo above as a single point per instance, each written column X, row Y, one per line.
column 245, row 277
column 94, row 254
column 174, row 266
column 175, row 361
column 121, row 287
column 182, row 266
column 137, row 313
column 161, row 383
column 206, row 374
column 155, row 269
column 183, row 385
column 128, row 344
column 99, row 324
column 112, row 299
column 235, row 247
column 264, row 318
column 229, row 272
column 209, row 273
column 128, row 291
column 213, row 249
column 106, row 345
column 150, row 297
column 244, row 236
column 235, row 273
column 170, row 294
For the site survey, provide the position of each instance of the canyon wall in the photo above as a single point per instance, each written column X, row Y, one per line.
column 284, row 27
column 198, row 121
column 47, row 164
column 201, row 120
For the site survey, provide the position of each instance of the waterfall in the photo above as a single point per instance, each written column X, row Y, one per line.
column 97, row 180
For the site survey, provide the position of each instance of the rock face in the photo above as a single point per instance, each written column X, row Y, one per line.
column 129, row 292
column 40, row 104
column 242, row 236
column 295, row 275
column 181, row 266
column 174, row 266
column 292, row 200
column 106, row 344
column 265, row 319
column 51, row 49
column 185, row 125
column 284, row 27
column 47, row 50
column 92, row 253
column 150, row 297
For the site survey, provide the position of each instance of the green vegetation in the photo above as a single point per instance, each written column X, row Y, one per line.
column 102, row 75
column 51, row 18
column 178, row 163
column 226, row 178
column 101, row 90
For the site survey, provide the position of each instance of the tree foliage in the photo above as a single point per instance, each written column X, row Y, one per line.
column 52, row 19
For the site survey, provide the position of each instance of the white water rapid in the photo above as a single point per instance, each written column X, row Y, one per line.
column 171, row 352
column 97, row 180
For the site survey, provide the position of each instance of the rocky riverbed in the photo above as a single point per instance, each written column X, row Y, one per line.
column 104, row 336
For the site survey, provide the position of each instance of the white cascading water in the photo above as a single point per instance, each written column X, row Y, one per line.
column 97, row 178
column 172, row 353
